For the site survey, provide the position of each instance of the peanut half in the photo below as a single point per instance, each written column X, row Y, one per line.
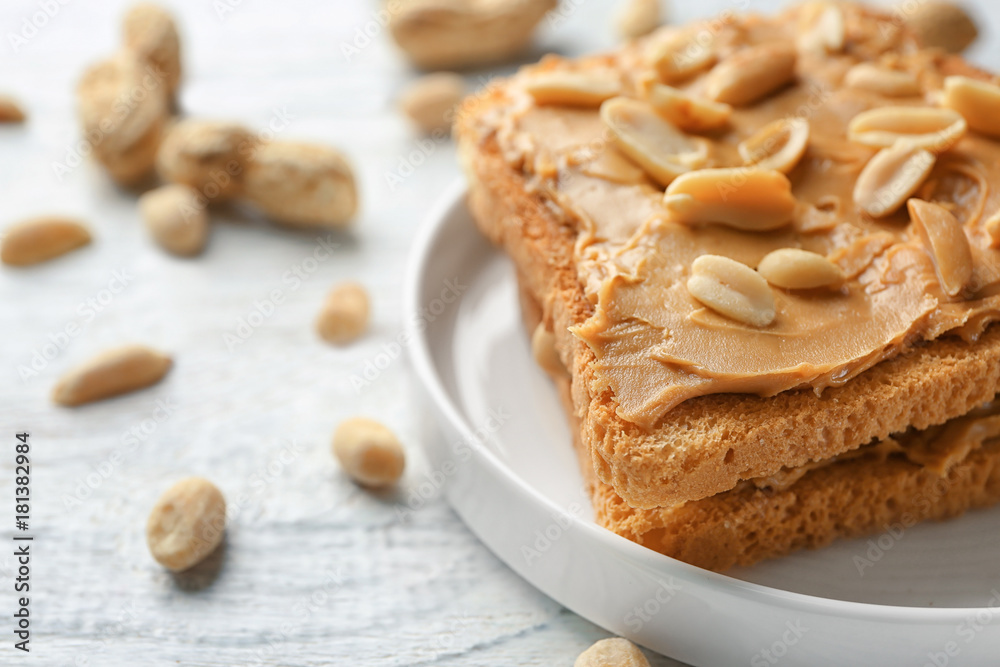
column 638, row 18
column 942, row 25
column 41, row 239
column 935, row 129
column 302, row 184
column 210, row 156
column 944, row 237
column 573, row 89
column 438, row 34
column 122, row 105
column 680, row 55
column 114, row 372
column 822, row 27
column 149, row 32
column 745, row 198
column 186, row 524
column 345, row 314
column 689, row 113
column 613, row 652
column 732, row 289
column 977, row 101
column 891, row 176
column 653, row 143
column 793, row 268
column 176, row 218
column 369, row 452
column 10, row 110
column 431, row 100
column 751, row 74
column 992, row 227
column 778, row 145
column 881, row 80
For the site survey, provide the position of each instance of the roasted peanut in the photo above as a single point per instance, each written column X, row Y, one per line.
column 652, row 142
column 209, row 156
column 302, row 184
column 944, row 237
column 613, row 652
column 732, row 289
column 745, row 198
column 573, row 89
column 444, row 34
column 689, row 113
column 114, row 372
column 369, row 452
column 942, row 25
column 149, row 32
column 41, row 239
column 992, row 227
column 186, row 524
column 778, row 145
column 886, row 82
column 431, row 100
column 793, row 268
column 10, row 110
column 891, row 177
column 977, row 101
column 344, row 316
column 935, row 129
column 680, row 55
column 638, row 17
column 122, row 105
column 751, row 74
column 822, row 28
column 176, row 218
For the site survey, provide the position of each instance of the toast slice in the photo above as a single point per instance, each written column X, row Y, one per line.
column 707, row 444
column 951, row 468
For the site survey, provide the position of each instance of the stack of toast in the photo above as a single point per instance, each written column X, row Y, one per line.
column 759, row 258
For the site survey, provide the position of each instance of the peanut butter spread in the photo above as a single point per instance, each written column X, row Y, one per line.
column 606, row 167
column 938, row 448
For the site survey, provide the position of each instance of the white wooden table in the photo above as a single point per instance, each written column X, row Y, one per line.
column 315, row 571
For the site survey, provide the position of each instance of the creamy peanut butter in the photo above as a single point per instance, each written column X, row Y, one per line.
column 655, row 345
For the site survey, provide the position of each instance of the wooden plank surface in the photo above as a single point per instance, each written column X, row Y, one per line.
column 315, row 571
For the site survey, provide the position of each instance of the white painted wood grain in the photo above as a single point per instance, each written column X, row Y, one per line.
column 315, row 571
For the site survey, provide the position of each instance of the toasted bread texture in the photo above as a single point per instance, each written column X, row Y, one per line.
column 743, row 526
column 707, row 444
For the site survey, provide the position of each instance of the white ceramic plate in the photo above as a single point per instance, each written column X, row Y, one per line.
column 925, row 595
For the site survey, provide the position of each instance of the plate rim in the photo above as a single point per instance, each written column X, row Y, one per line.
column 419, row 352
